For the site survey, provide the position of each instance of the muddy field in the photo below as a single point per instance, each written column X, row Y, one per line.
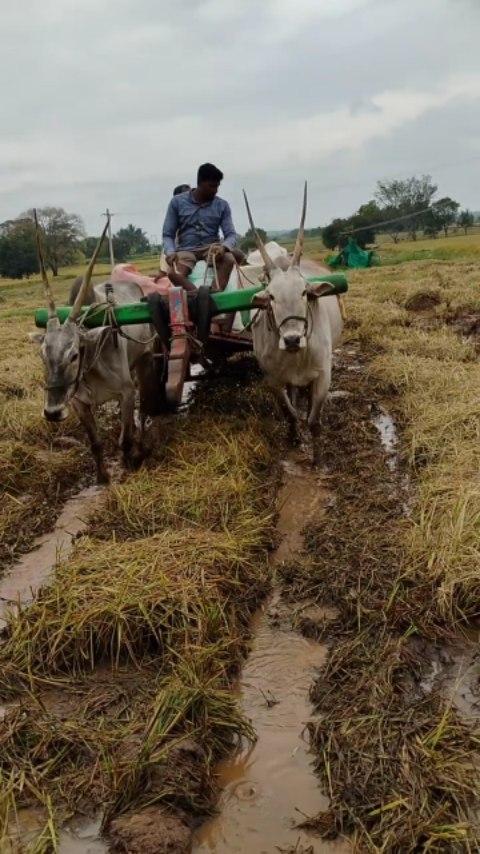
column 229, row 652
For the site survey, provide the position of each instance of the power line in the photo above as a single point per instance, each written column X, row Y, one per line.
column 391, row 221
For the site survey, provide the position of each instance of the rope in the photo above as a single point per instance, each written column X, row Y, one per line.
column 211, row 261
column 109, row 309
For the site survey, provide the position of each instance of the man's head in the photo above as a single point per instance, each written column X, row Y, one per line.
column 208, row 181
column 182, row 188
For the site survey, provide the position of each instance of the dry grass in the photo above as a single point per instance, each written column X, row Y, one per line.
column 186, row 493
column 398, row 763
column 455, row 247
column 435, row 379
column 122, row 665
column 36, row 470
column 397, row 555
column 119, row 602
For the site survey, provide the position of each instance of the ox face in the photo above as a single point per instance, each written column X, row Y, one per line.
column 61, row 354
column 286, row 301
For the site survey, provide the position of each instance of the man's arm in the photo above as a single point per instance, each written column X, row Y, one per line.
column 228, row 228
column 170, row 228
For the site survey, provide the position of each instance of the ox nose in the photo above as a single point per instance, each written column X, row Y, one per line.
column 58, row 413
column 292, row 342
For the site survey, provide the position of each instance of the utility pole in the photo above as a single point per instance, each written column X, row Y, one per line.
column 110, row 241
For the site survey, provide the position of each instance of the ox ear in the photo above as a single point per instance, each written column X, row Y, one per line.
column 36, row 337
column 261, row 300
column 319, row 289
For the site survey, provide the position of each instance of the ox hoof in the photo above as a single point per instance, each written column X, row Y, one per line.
column 134, row 460
column 294, row 439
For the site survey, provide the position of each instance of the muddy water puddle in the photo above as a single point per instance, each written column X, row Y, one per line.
column 455, row 672
column 269, row 788
column 79, row 836
column 385, row 425
column 28, row 574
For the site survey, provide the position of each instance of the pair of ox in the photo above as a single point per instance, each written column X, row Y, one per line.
column 294, row 335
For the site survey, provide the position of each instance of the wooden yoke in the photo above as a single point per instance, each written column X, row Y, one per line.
column 180, row 347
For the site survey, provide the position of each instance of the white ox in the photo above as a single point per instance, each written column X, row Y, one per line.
column 88, row 367
column 295, row 333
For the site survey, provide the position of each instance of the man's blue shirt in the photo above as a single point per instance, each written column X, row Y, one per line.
column 190, row 225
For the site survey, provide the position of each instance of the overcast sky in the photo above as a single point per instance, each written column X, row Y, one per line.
column 113, row 103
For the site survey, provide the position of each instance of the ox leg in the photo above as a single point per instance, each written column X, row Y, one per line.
column 132, row 456
column 151, row 383
column 86, row 417
column 318, row 392
column 288, row 399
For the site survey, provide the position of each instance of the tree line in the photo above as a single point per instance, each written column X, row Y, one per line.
column 404, row 207
column 396, row 204
column 64, row 242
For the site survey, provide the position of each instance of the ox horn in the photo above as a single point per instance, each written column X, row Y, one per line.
column 82, row 292
column 269, row 265
column 52, row 311
column 297, row 252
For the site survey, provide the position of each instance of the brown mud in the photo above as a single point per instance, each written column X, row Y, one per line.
column 375, row 709
column 269, row 788
column 20, row 584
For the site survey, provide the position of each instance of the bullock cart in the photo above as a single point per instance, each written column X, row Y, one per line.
column 189, row 327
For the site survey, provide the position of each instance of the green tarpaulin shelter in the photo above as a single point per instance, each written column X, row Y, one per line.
column 353, row 256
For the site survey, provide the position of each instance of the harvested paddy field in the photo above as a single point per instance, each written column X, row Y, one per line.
column 120, row 680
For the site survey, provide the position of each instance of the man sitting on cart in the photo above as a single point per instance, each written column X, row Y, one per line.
column 191, row 231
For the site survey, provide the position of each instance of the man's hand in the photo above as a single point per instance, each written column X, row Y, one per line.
column 217, row 250
column 171, row 258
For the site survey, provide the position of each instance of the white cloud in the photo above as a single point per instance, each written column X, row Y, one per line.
column 155, row 147
column 101, row 98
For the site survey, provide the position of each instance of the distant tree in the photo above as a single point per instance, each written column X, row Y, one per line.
column 333, row 234
column 249, row 242
column 399, row 198
column 18, row 254
column 62, row 234
column 367, row 215
column 90, row 244
column 445, row 212
column 129, row 241
column 431, row 224
column 395, row 227
column 466, row 219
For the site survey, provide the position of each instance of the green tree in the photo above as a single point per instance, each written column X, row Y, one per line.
column 431, row 224
column 366, row 216
column 466, row 219
column 333, row 234
column 249, row 242
column 62, row 235
column 398, row 198
column 129, row 241
column 445, row 212
column 18, row 254
column 90, row 244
